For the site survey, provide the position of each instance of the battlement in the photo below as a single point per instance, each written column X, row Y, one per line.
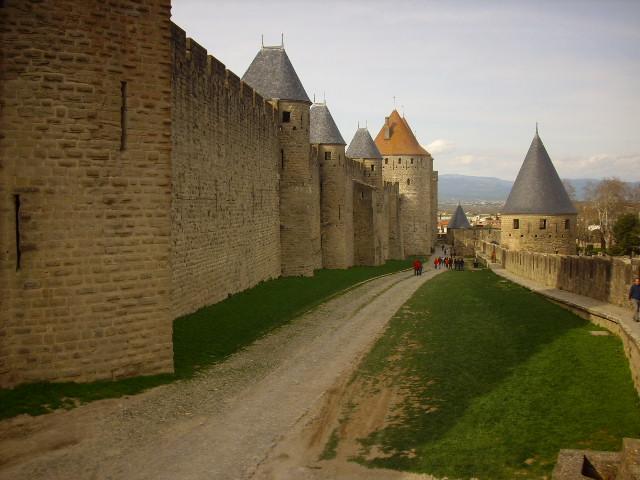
column 197, row 61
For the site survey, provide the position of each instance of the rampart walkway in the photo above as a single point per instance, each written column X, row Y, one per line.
column 222, row 424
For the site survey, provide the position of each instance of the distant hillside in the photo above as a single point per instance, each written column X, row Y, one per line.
column 452, row 187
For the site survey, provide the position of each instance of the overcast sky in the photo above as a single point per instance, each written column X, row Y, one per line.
column 472, row 77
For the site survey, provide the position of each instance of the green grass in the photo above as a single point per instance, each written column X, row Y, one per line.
column 203, row 338
column 511, row 376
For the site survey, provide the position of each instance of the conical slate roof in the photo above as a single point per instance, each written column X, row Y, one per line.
column 322, row 127
column 538, row 188
column 363, row 146
column 272, row 76
column 459, row 219
column 401, row 141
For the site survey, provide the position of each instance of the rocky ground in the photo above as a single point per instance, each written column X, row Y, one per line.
column 264, row 413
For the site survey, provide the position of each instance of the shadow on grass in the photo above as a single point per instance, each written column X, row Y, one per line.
column 507, row 377
column 205, row 337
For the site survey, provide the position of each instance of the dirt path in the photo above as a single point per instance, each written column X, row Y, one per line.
column 222, row 424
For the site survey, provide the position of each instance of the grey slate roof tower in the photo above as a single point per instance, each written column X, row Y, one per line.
column 323, row 130
column 272, row 76
column 363, row 146
column 538, row 188
column 459, row 219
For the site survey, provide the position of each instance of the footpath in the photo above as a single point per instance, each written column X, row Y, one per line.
column 223, row 423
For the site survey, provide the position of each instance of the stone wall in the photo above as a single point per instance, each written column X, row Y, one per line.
column 603, row 278
column 225, row 230
column 539, row 233
column 337, row 224
column 366, row 252
column 297, row 192
column 85, row 194
column 396, row 245
column 414, row 174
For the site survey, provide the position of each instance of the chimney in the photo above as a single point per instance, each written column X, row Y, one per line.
column 387, row 129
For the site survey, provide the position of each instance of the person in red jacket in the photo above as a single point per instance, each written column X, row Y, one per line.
column 416, row 265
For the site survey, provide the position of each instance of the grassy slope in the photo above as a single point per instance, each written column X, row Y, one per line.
column 204, row 337
column 512, row 378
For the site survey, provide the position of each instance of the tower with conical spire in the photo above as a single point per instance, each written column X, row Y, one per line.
column 363, row 150
column 272, row 75
column 336, row 213
column 538, row 215
column 405, row 161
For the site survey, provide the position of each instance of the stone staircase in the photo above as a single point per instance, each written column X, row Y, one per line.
column 589, row 464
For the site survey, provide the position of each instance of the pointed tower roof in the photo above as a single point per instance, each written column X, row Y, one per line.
column 322, row 127
column 538, row 188
column 396, row 137
column 363, row 146
column 272, row 76
column 459, row 219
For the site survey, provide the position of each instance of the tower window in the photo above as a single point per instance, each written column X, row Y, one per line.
column 373, row 168
column 408, row 181
column 399, row 161
column 386, row 161
column 567, row 223
column 543, row 223
column 327, row 155
column 516, row 223
column 282, row 159
column 412, row 161
column 286, row 117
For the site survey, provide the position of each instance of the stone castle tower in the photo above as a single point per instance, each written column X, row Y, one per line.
column 336, row 207
column 272, row 75
column 406, row 162
column 538, row 215
column 363, row 150
column 458, row 224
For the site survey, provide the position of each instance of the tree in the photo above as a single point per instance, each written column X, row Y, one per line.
column 627, row 233
column 608, row 197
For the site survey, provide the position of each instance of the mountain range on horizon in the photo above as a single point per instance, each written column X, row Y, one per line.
column 458, row 188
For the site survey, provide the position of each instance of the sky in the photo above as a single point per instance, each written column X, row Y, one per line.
column 471, row 77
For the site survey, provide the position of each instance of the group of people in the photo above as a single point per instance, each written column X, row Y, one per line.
column 448, row 263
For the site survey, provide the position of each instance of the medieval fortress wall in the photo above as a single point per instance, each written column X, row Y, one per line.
column 140, row 180
column 85, row 205
column 225, row 229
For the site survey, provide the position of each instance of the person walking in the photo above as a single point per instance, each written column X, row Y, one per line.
column 416, row 265
column 634, row 296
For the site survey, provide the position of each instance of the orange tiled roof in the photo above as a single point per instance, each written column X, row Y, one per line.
column 402, row 141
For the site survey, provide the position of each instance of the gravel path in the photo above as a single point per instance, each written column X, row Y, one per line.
column 223, row 423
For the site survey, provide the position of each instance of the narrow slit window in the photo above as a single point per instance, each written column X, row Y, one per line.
column 386, row 161
column 567, row 224
column 16, row 208
column 516, row 223
column 123, row 115
column 282, row 159
column 543, row 223
column 373, row 168
column 327, row 155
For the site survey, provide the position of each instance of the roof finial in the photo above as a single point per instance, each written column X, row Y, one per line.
column 282, row 40
column 358, row 123
column 324, row 97
column 394, row 102
column 536, row 128
column 262, row 40
column 314, row 98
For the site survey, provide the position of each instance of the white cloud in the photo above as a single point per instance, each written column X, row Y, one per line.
column 440, row 145
column 624, row 166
